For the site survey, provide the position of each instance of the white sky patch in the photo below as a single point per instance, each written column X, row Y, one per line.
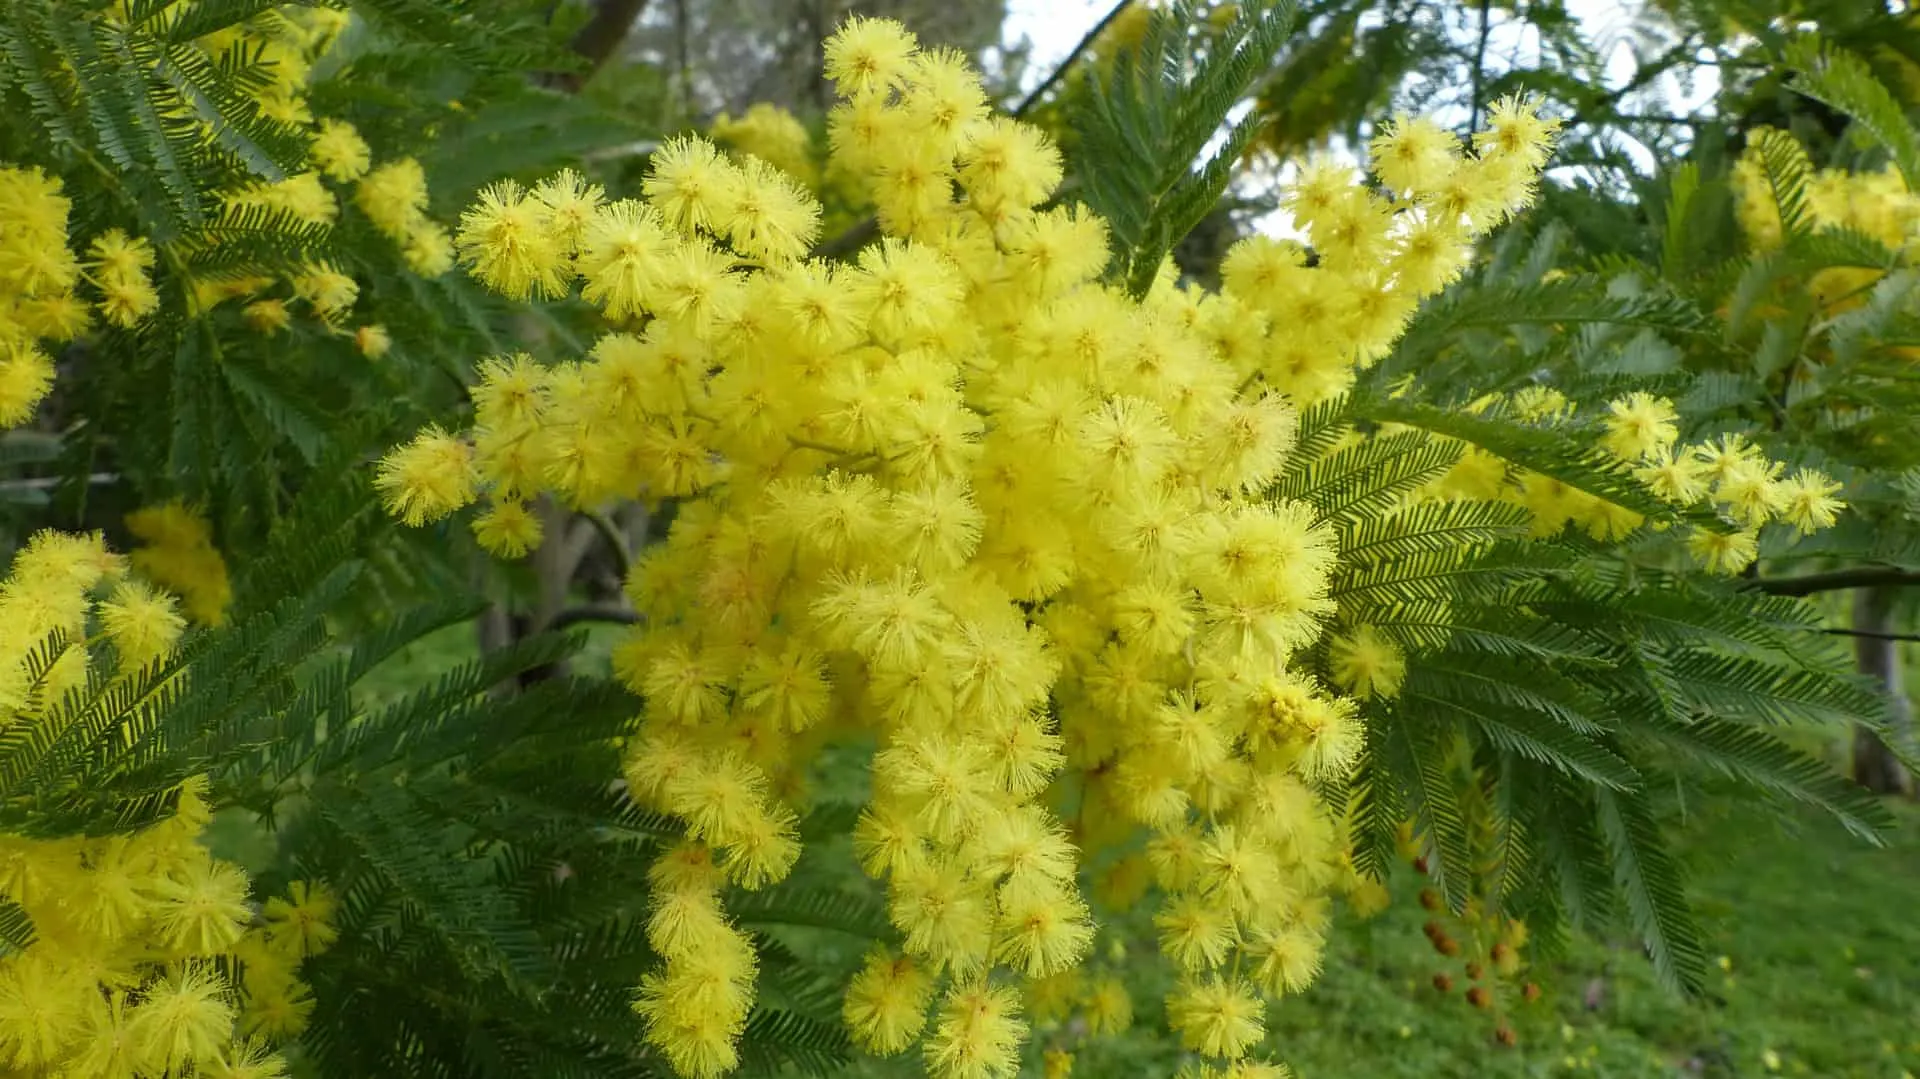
column 1054, row 26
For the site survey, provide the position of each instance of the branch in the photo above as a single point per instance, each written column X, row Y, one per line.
column 1813, row 583
column 1060, row 70
column 1605, row 103
column 596, row 613
column 47, row 483
column 600, row 39
column 1871, row 635
column 616, row 542
column 1480, row 65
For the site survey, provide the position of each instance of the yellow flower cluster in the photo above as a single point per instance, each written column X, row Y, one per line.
column 120, row 267
column 147, row 956
column 1377, row 257
column 38, row 276
column 393, row 196
column 284, row 42
column 39, row 273
column 49, row 592
column 1876, row 204
column 1641, row 432
column 177, row 552
column 961, row 498
column 773, row 135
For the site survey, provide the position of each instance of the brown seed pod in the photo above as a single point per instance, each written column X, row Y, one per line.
column 1433, row 929
column 1447, row 946
column 1474, row 971
column 1429, row 899
column 1531, row 992
column 1505, row 1036
column 1479, row 997
column 1420, row 865
column 1442, row 982
column 1501, row 952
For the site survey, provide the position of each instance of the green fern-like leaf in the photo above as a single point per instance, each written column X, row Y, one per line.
column 1146, row 122
column 1843, row 81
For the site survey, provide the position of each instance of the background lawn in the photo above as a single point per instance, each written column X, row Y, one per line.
column 1815, row 938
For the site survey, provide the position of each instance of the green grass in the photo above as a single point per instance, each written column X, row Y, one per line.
column 1817, row 938
column 1817, row 949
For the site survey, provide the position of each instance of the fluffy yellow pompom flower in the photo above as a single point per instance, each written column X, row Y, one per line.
column 1366, row 663
column 977, row 1034
column 302, row 923
column 340, row 152
column 697, row 1007
column 1729, row 475
column 770, row 218
column 182, row 1019
column 394, row 197
column 570, row 203
column 1109, row 1007
column 1218, row 1017
column 136, row 934
column 692, row 185
column 1009, row 165
column 302, row 197
column 119, row 269
column 1640, row 426
column 26, row 374
column 37, row 276
column 177, row 553
column 886, row 1004
column 278, row 1005
column 1723, row 552
column 141, row 622
column 203, row 910
column 773, row 135
column 1677, row 477
column 427, row 478
column 325, row 289
column 1288, row 959
column 1414, row 156
column 34, row 257
column 868, row 55
column 508, row 529
column 1807, row 502
column 620, row 254
column 1516, row 130
column 267, row 317
column 373, row 341
column 506, row 238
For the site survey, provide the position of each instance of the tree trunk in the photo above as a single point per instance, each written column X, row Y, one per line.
column 1874, row 765
column 599, row 40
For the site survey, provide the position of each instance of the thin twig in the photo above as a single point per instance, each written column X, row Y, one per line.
column 1835, row 581
column 1060, row 70
column 1480, row 65
column 1871, row 635
column 599, row 40
column 1604, row 104
column 616, row 542
column 46, row 483
column 594, row 613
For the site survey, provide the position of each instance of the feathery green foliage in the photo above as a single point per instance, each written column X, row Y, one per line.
column 1149, row 122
